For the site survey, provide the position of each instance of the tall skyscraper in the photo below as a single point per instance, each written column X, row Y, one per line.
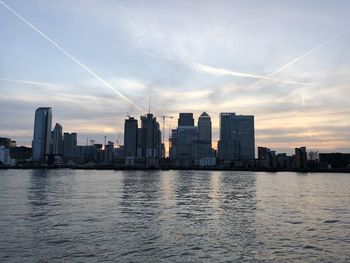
column 237, row 140
column 150, row 137
column 202, row 146
column 300, row 158
column 42, row 133
column 186, row 135
column 204, row 128
column 69, row 143
column 185, row 119
column 130, row 137
column 173, row 144
column 57, row 144
column 182, row 140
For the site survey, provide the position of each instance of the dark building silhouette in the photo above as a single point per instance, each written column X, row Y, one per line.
column 21, row 153
column 263, row 153
column 237, row 140
column 42, row 134
column 334, row 160
column 173, row 144
column 265, row 156
column 186, row 135
column 191, row 145
column 204, row 128
column 202, row 148
column 149, row 140
column 270, row 159
column 130, row 137
column 57, row 140
column 301, row 158
column 185, row 119
column 69, row 143
column 182, row 140
column 108, row 153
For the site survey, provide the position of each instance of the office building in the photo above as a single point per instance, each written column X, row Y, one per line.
column 69, row 143
column 181, row 141
column 263, row 153
column 42, row 134
column 237, row 140
column 202, row 146
column 130, row 137
column 173, row 144
column 301, row 158
column 86, row 153
column 191, row 145
column 334, row 160
column 109, row 153
column 21, row 153
column 57, row 140
column 185, row 119
column 186, row 136
column 4, row 155
column 204, row 127
column 149, row 140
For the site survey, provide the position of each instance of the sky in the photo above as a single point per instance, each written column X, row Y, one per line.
column 97, row 61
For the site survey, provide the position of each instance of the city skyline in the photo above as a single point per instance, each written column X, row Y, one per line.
column 285, row 64
column 190, row 147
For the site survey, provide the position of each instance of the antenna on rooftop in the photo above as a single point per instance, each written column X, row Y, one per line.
column 149, row 105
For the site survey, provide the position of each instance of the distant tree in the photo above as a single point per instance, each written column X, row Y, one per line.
column 313, row 155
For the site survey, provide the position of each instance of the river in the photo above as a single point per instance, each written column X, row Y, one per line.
column 173, row 216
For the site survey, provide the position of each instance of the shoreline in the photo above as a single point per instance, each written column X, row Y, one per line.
column 167, row 168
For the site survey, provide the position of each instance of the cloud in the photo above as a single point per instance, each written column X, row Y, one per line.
column 187, row 56
column 69, row 55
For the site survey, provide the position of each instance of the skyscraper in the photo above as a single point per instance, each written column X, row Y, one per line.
column 189, row 144
column 69, row 143
column 202, row 146
column 300, row 158
column 204, row 128
column 182, row 140
column 42, row 133
column 150, row 140
column 186, row 135
column 237, row 141
column 109, row 153
column 57, row 147
column 173, row 144
column 185, row 119
column 130, row 137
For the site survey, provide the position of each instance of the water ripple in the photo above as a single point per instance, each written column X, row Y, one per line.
column 173, row 216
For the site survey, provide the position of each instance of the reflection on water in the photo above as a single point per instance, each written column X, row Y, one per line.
column 177, row 216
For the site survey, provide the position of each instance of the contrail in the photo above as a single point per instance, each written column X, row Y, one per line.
column 297, row 59
column 70, row 56
column 213, row 70
column 30, row 82
column 225, row 72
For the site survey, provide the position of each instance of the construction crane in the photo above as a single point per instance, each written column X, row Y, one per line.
column 164, row 117
column 118, row 139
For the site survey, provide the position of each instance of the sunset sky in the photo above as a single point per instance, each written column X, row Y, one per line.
column 94, row 62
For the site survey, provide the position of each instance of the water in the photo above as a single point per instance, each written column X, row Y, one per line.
column 173, row 216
